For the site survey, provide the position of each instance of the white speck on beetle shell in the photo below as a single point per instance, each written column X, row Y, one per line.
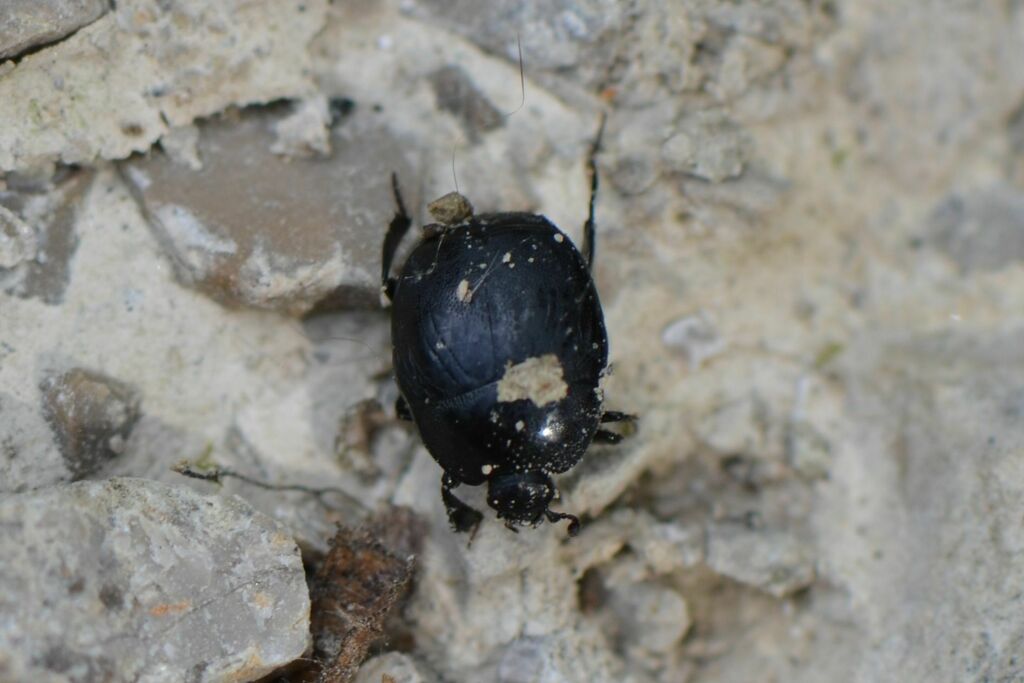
column 559, row 237
column 439, row 345
column 507, row 257
column 538, row 379
column 487, row 469
column 520, row 425
column 463, row 293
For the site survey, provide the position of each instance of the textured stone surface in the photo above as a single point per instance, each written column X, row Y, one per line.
column 950, row 502
column 29, row 456
column 555, row 35
column 29, row 23
column 117, row 85
column 127, row 579
column 457, row 94
column 773, row 562
column 17, row 240
column 981, row 231
column 651, row 618
column 695, row 337
column 808, row 256
column 707, row 146
column 707, row 48
column 393, row 667
column 37, row 222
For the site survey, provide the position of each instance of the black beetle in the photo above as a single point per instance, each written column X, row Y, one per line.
column 499, row 345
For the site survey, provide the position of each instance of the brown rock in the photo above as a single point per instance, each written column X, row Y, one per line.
column 253, row 228
column 91, row 415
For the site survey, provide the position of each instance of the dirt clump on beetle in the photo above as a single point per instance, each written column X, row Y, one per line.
column 538, row 379
column 463, row 292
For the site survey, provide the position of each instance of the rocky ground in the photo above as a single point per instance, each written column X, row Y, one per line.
column 811, row 258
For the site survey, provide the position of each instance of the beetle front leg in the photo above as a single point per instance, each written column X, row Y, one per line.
column 396, row 231
column 462, row 517
column 574, row 521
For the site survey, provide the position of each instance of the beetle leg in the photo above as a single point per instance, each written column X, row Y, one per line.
column 588, row 227
column 510, row 526
column 574, row 521
column 605, row 436
column 402, row 409
column 616, row 416
column 396, row 231
column 430, row 231
column 462, row 517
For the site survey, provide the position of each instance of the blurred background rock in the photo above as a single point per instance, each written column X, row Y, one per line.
column 811, row 257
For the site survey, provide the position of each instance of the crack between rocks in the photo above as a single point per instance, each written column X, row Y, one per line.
column 35, row 49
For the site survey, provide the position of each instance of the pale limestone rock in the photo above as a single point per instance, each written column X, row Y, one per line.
column 127, row 579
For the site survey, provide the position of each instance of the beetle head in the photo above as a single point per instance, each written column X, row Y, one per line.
column 451, row 209
column 523, row 498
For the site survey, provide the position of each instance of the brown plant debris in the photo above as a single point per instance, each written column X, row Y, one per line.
column 353, row 592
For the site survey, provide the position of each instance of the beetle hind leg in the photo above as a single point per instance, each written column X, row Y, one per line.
column 396, row 231
column 462, row 517
column 402, row 411
column 616, row 416
column 606, row 436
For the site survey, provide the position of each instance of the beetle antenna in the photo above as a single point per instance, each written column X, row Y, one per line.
column 455, row 178
column 522, row 78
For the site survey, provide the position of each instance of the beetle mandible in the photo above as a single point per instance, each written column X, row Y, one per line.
column 499, row 345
